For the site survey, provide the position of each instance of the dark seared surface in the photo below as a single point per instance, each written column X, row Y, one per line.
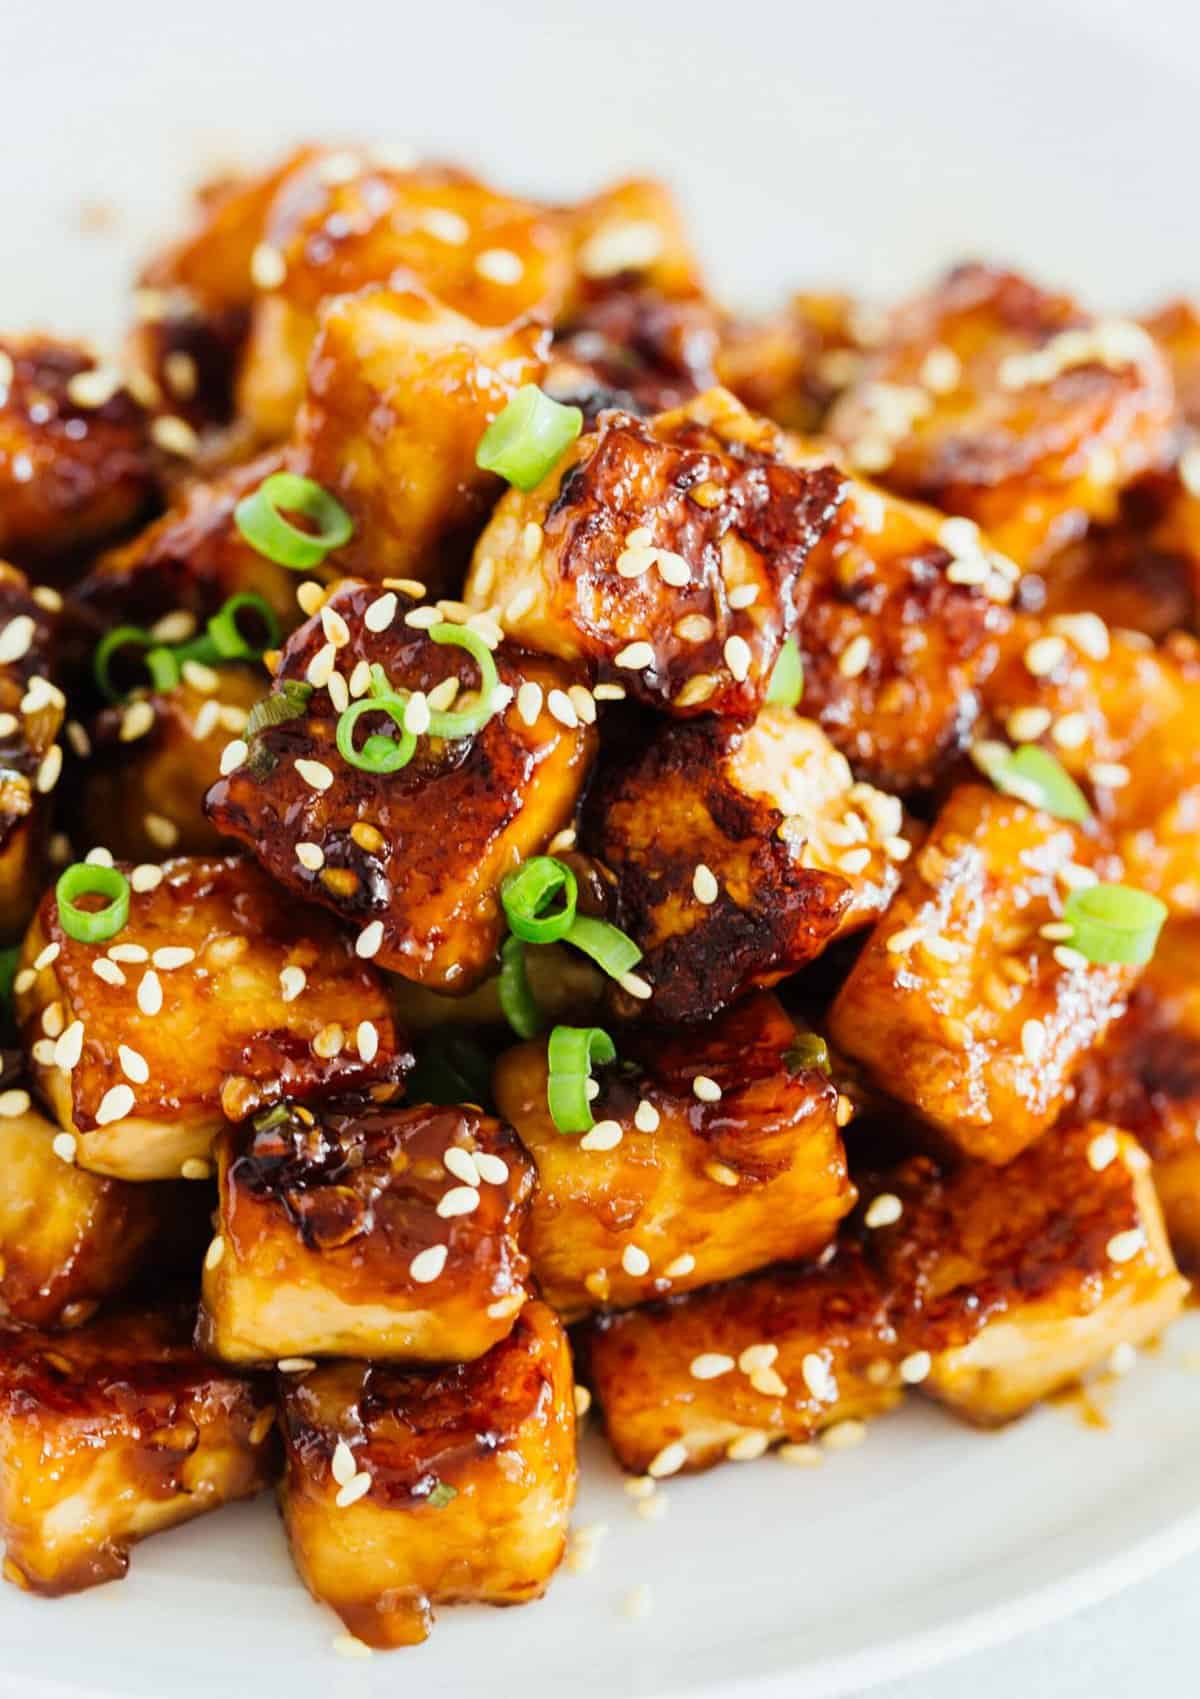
column 634, row 350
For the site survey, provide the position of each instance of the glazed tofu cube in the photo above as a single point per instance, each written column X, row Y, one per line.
column 1136, row 574
column 374, row 847
column 791, row 365
column 1011, row 1283
column 400, row 392
column 407, row 1488
column 75, row 465
column 739, row 852
column 153, row 758
column 730, row 1371
column 31, row 715
column 668, row 552
column 67, row 1238
column 116, row 1431
column 1122, row 717
column 220, row 995
column 359, row 1231
column 718, row 1153
column 632, row 236
column 993, row 399
column 958, row 1005
column 634, row 349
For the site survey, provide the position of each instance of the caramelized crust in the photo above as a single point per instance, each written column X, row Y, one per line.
column 1019, row 1280
column 577, row 565
column 713, row 1190
column 991, row 398
column 799, row 852
column 71, row 472
column 507, row 790
column 113, row 1432
column 471, row 1473
column 226, row 1038
column 957, row 1004
column 782, row 1355
column 321, row 1218
column 31, row 716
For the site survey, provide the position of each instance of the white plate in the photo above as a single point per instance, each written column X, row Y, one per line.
column 813, row 143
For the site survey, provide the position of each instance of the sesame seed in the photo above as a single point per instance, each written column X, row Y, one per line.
column 1024, row 725
column 369, row 940
column 459, row 1200
column 381, row 612
column 315, row 774
column 884, row 1210
column 635, row 986
column 149, row 993
column 354, row 1489
column 583, row 703
column 329, row 1042
column 129, row 952
column 145, row 877
column 742, row 596
column 562, row 708
column 1072, row 960
column 672, row 568
column 201, row 678
column 634, row 656
column 16, row 638
column 562, row 841
column 360, row 679
column 1087, row 631
column 1076, row 877
column 698, row 689
column 1058, row 931
column 49, row 771
column 605, row 1135
column 769, row 1383
column 172, row 956
column 42, row 1051
column 940, row 948
column 520, row 605
column 114, row 1105
column 609, row 692
column 9, row 724
column 1070, row 731
column 50, row 953
column 901, row 942
column 694, row 628
column 915, row 1367
column 499, row 265
column 133, row 1064
column 633, row 562
column 721, row 1174
column 63, row 1146
column 174, row 436
column 737, row 657
column 806, row 1456
column 1101, row 1151
column 1122, row 1358
column 1123, row 1247
column 14, row 1102
column 136, row 721
column 342, row 1466
column 843, row 1436
column 428, row 1264
column 53, row 1019
column 681, row 1267
column 493, row 1170
column 214, row 1253
column 24, row 981
column 195, row 1168
column 529, row 702
column 941, row 370
column 268, row 268
column 855, row 657
column 646, row 1117
column 69, row 1047
column 366, row 1038
column 1111, row 775
column 634, row 1261
column 669, row 1461
column 420, row 619
column 93, row 388
column 295, row 1365
column 1033, row 1040
column 461, row 1164
column 583, row 1401
column 707, row 1090
column 747, row 1447
column 855, row 861
column 818, row 1377
column 206, row 721
column 1044, row 654
column 704, row 884
column 311, row 856
column 160, row 830
column 710, row 1365
column 320, row 669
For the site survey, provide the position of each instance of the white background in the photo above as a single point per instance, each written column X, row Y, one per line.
column 812, row 143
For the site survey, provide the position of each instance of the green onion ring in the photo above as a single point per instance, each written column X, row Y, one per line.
column 1114, row 923
column 259, row 518
column 163, row 666
column 227, row 635
column 526, row 893
column 92, row 926
column 1034, row 776
column 517, row 1002
column 571, row 1053
column 110, row 645
column 378, row 754
column 528, row 437
column 447, row 724
column 787, row 676
column 609, row 947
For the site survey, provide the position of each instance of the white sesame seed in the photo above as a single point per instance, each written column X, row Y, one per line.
column 562, row 841
column 381, row 612
column 1110, row 775
column 901, row 942
column 16, row 638
column 855, row 657
column 366, row 1039
column 941, row 370
column 1033, row 1040
column 884, row 1210
column 173, row 956
column 49, row 771
column 207, row 718
column 129, row 952
column 721, row 1174
column 63, row 1146
column 320, row 669
column 634, row 1261
column 136, row 721
column 310, row 856
column 354, row 1489
column 53, row 1019
column 1122, row 1358
column 634, row 656
column 1024, row 725
column 1072, row 960
column 680, row 1267
column 69, row 1047
column 215, row 1253
column 295, row 1365
column 915, row 1367
column 195, row 1168
column 843, row 1436
column 706, row 1089
column 160, row 830
column 605, row 1135
column 315, row 774
column 747, row 1447
column 1123, row 1247
column 583, row 1401
column 800, row 1456
column 14, row 1102
column 329, row 1042
column 493, row 1170
column 819, row 1377
column 1044, row 654
column 114, row 1105
column 268, row 268
column 499, row 265
column 1101, row 1151
column 737, row 658
column 632, row 245
column 428, row 1264
column 145, row 877
column 609, row 692
column 769, row 1383
column 174, row 436
column 1070, row 731
column 42, row 1051
column 669, row 1461
column 200, row 677
column 461, row 1164
column 149, row 993
column 704, row 884
column 710, row 1365
column 50, row 953
column 459, row 1200
column 1087, row 631
column 233, row 755
column 583, row 703
column 562, row 708
column 342, row 1466
column 529, row 702
column 370, row 940
column 672, row 568
column 646, row 1117
column 742, row 596
column 636, row 986
column 133, row 1064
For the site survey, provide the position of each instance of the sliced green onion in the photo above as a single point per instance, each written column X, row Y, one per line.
column 288, row 701
column 228, row 638
column 517, row 1002
column 1114, row 923
column 259, row 518
column 8, row 971
column 571, row 1053
column 451, row 1070
column 163, row 667
column 608, row 946
column 527, row 893
column 109, row 646
column 443, row 723
column 85, row 879
column 807, row 1050
column 787, row 676
column 1033, row 775
column 442, row 1495
column 378, row 754
column 528, row 437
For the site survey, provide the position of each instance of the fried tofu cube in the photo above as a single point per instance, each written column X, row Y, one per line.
column 116, row 1431
column 407, row 1488
column 1121, row 716
column 153, row 759
column 374, row 847
column 358, row 1230
column 728, row 1372
column 75, row 466
column 400, row 391
column 631, row 236
column 671, row 1189
column 31, row 716
column 1017, row 1281
column 220, row 995
column 991, row 398
column 958, row 1005
column 739, row 852
column 668, row 552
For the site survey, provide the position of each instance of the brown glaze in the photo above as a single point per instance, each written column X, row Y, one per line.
column 321, row 1215
column 634, row 350
column 27, row 733
column 1138, row 574
column 507, row 790
column 472, row 1473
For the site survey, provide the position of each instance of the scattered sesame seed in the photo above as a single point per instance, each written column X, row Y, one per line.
column 428, row 1264
column 669, row 1461
column 807, row 1456
column 172, row 956
column 738, row 657
column 63, row 1146
column 53, row 1019
column 461, row 1164
column 844, row 1111
column 1101, row 1151
column 49, row 771
column 721, row 1174
column 562, row 708
column 16, row 638
column 843, row 1436
column 855, row 657
column 742, row 596
column 1070, row 731
column 149, row 993
column 1025, row 725
column 1123, row 1247
column 320, row 669
column 646, row 1117
column 145, row 877
column 14, row 1102
column 93, row 388
column 195, row 1168
column 459, row 1200
column 357, row 1487
column 133, row 1064
column 884, row 1210
column 45, row 956
column 214, row 1253
column 129, row 952
column 366, row 1039
column 672, row 568
column 818, row 1377
column 529, row 702
column 583, row 703
column 329, row 1042
column 268, row 268
column 915, row 1367
column 635, row 986
column 635, row 1262
column 583, row 1401
column 381, row 612
column 315, row 774
column 605, row 1135
column 160, row 830
column 1033, row 1040
column 769, row 1383
column 634, row 656
column 1044, row 654
column 499, row 265
column 493, row 1170
column 1122, row 1358
column 697, row 689
column 901, row 942
column 707, row 1090
column 710, row 1365
column 855, row 861
column 370, row 940
column 201, row 678
column 694, row 628
column 42, row 1051
column 1073, row 960
column 114, row 1105
column 310, row 856
column 1111, row 775
column 342, row 1466
column 747, row 1447
column 206, row 721
column 174, row 436
column 704, row 884
column 295, row 1365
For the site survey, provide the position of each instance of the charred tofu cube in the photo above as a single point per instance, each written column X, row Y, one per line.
column 958, row 1005
column 116, row 1431
column 719, row 1154
column 1010, row 1283
column 67, row 1238
column 791, row 365
column 728, row 1372
column 31, row 716
column 739, row 852
column 359, row 1231
column 75, row 465
column 407, row 1488
column 374, row 846
column 400, row 392
column 1122, row 717
column 153, row 758
column 668, row 552
column 218, row 995
column 993, row 399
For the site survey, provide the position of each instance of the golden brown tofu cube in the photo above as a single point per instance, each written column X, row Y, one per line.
column 728, row 1372
column 375, row 847
column 958, row 1005
column 31, row 716
column 668, row 552
column 739, row 852
column 407, row 1488
column 631, row 236
column 153, row 759
column 992, row 398
column 74, row 462
column 400, row 391
column 1013, row 1282
column 355, row 1230
column 221, row 994
column 672, row 1189
column 1123, row 718
column 791, row 365
column 116, row 1431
